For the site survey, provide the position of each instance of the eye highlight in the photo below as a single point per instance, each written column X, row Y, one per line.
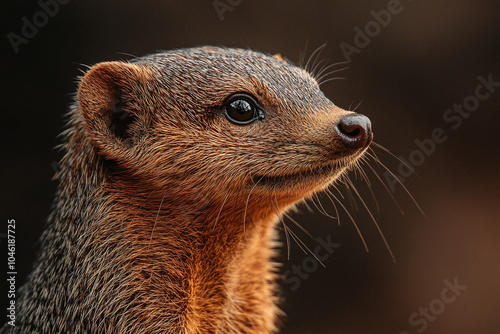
column 241, row 109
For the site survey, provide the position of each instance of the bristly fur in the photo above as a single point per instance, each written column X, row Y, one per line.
column 164, row 218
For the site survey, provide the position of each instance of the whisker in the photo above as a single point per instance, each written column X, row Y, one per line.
column 331, row 79
column 322, row 72
column 374, row 155
column 385, row 186
column 362, row 173
column 328, row 193
column 314, row 55
column 299, row 226
column 357, row 106
column 316, row 66
column 316, row 205
column 395, row 157
column 127, row 54
column 302, row 56
column 315, row 61
column 374, row 220
column 320, row 77
column 364, row 177
column 297, row 239
column 405, row 189
column 321, row 208
column 220, row 210
column 353, row 222
column 285, row 228
column 299, row 242
column 350, row 196
column 246, row 207
column 156, row 219
column 340, row 193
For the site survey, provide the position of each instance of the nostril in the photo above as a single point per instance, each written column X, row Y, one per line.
column 351, row 130
column 355, row 130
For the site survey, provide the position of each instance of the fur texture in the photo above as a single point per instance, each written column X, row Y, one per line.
column 164, row 219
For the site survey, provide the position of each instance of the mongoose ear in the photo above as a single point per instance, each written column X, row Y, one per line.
column 278, row 56
column 106, row 97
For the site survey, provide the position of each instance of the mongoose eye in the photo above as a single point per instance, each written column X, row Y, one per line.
column 241, row 109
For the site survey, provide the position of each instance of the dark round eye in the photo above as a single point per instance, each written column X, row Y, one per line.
column 241, row 109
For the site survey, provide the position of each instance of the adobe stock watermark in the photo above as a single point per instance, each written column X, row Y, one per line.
column 11, row 271
column 363, row 37
column 294, row 277
column 420, row 319
column 30, row 28
column 222, row 6
column 453, row 117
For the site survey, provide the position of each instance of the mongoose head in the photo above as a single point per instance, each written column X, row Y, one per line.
column 219, row 122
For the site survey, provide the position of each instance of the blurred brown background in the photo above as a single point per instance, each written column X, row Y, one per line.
column 407, row 74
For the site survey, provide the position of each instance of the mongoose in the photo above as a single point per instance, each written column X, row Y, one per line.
column 177, row 167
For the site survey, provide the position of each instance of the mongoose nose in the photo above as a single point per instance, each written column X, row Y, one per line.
column 355, row 130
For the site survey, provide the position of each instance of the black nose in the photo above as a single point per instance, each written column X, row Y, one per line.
column 355, row 130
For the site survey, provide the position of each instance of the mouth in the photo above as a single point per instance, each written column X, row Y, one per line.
column 313, row 175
